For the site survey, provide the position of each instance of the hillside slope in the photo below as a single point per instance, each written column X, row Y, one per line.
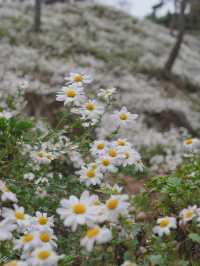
column 117, row 49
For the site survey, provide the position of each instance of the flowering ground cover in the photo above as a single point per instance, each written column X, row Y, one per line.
column 62, row 195
column 122, row 52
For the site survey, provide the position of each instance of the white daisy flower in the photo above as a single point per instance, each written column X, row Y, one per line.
column 79, row 77
column 76, row 211
column 6, row 114
column 76, row 159
column 24, row 84
column 42, row 180
column 71, row 94
column 99, row 210
column 6, row 193
column 188, row 214
column 122, row 143
column 99, row 147
column 123, row 118
column 106, row 164
column 96, row 235
column 115, row 154
column 42, row 157
column 41, row 192
column 164, row 225
column 116, row 189
column 129, row 156
column 49, row 156
column 90, row 175
column 139, row 166
column 27, row 242
column 191, row 143
column 18, row 216
column 43, row 256
column 100, row 213
column 29, row 176
column 106, row 93
column 116, row 206
column 42, row 221
column 6, row 229
column 46, row 236
column 91, row 111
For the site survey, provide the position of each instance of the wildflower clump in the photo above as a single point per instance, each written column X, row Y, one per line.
column 62, row 195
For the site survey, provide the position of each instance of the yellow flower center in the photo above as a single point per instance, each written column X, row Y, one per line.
column 127, row 155
column 189, row 214
column 41, row 154
column 112, row 204
column 28, row 238
column 42, row 220
column 189, row 141
column 62, row 157
column 93, row 232
column 105, row 162
column 164, row 223
column 78, row 78
column 44, row 237
column 91, row 173
column 79, row 208
column 123, row 116
column 19, row 215
column 100, row 146
column 90, row 106
column 44, row 254
column 121, row 142
column 112, row 153
column 50, row 157
column 5, row 189
column 71, row 93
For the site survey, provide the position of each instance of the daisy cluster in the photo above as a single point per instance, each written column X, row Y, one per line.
column 36, row 241
column 58, row 148
column 32, row 236
column 99, row 216
column 165, row 224
column 47, row 151
column 146, row 96
column 89, row 210
column 106, row 156
column 89, row 109
column 44, row 153
column 175, row 149
column 73, row 94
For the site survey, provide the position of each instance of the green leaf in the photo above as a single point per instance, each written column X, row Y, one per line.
column 195, row 237
column 156, row 259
